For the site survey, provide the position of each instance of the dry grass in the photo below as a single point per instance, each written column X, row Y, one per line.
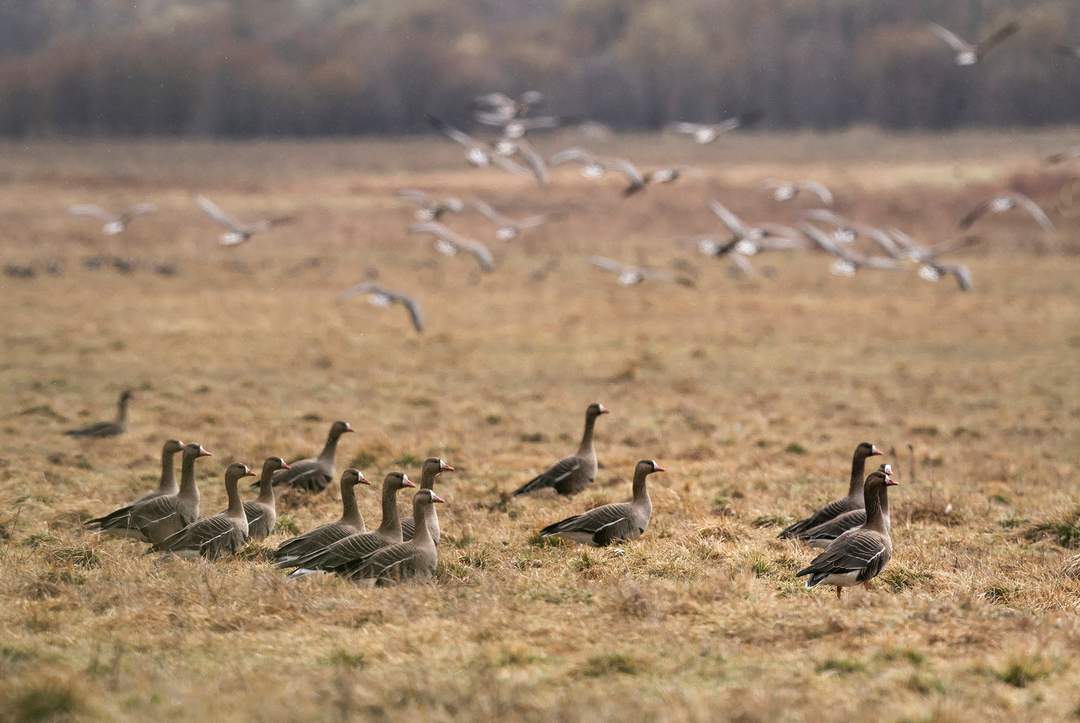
column 751, row 394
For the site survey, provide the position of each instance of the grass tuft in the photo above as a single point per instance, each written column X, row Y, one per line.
column 599, row 666
column 1020, row 672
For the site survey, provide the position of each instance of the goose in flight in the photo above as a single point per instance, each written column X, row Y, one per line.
column 508, row 228
column 705, row 133
column 788, row 190
column 632, row 275
column 592, row 166
column 237, row 232
column 1004, row 202
column 450, row 243
column 115, row 223
column 431, row 208
column 752, row 238
column 933, row 270
column 972, row 53
column 381, row 296
column 478, row 153
column 847, row 262
column 499, row 108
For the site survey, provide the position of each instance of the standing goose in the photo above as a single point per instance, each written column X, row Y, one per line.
column 972, row 53
column 619, row 522
column 115, row 223
column 823, row 535
column 1004, row 202
column 853, row 501
column 117, row 522
column 574, row 473
column 157, row 518
column 432, row 468
column 350, row 523
column 858, row 555
column 218, row 535
column 108, row 429
column 314, row 473
column 261, row 512
column 349, row 552
column 416, row 559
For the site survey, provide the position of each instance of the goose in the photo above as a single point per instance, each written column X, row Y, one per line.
column 115, row 223
column 450, row 243
column 571, row 474
column 499, row 108
column 705, row 133
column 416, row 559
column 969, row 53
column 117, row 522
column 350, row 523
column 477, row 153
column 1066, row 154
column 932, row 270
column 789, row 190
column 754, row 236
column 1004, row 202
column 216, row 536
column 517, row 128
column 261, row 512
column 508, row 229
column 858, row 555
column 379, row 295
column 429, row 473
column 843, row 229
column 238, row 232
column 592, row 166
column 114, row 428
column 853, row 500
column 619, row 522
column 534, row 162
column 155, row 519
column 350, row 552
column 637, row 180
column 630, row 275
column 848, row 262
column 431, row 208
column 314, row 473
column 823, row 535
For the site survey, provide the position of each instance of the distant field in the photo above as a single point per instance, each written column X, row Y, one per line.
column 752, row 393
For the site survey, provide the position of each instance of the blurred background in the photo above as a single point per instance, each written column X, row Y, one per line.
column 240, row 68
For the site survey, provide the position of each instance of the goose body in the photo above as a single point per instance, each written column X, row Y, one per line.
column 261, row 513
column 416, row 559
column 429, row 473
column 216, row 536
column 571, row 474
column 350, row 522
column 314, row 473
column 155, row 519
column 608, row 524
column 118, row 522
column 112, row 428
column 853, row 501
column 823, row 535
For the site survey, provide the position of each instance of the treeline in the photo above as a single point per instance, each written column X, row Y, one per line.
column 319, row 67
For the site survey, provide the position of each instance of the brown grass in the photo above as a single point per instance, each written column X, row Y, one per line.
column 752, row 394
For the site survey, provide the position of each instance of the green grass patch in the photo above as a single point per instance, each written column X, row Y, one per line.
column 600, row 666
column 841, row 666
column 1064, row 531
column 1022, row 671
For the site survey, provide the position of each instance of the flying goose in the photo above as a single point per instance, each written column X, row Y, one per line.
column 381, row 296
column 858, row 555
column 637, row 180
column 238, row 231
column 968, row 53
column 348, row 553
column 619, row 522
column 788, row 190
column 754, row 235
column 416, row 559
column 823, row 535
column 350, row 523
column 508, row 229
column 574, row 473
column 853, row 501
column 431, row 208
column 261, row 512
column 1063, row 155
column 107, row 429
column 429, row 473
column 218, row 535
column 499, row 108
column 843, row 229
column 704, row 133
column 155, row 519
column 630, row 275
column 117, row 522
column 478, row 153
column 592, row 166
column 115, row 223
column 1007, row 201
column 932, row 270
column 314, row 473
column 848, row 262
column 517, row 128
column 450, row 243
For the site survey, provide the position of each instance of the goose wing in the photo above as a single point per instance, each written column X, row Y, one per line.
column 215, row 212
column 999, row 36
column 954, row 41
column 92, row 210
column 1034, row 210
column 860, row 551
column 729, row 219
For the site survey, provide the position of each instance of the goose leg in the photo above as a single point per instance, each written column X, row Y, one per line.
column 839, row 592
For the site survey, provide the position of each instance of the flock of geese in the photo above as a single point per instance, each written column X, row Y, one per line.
column 853, row 531
column 852, row 245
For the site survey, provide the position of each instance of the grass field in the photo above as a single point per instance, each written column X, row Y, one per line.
column 752, row 393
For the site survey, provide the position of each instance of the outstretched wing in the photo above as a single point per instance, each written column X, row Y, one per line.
column 606, row 264
column 452, row 133
column 954, row 41
column 90, row 209
column 999, row 36
column 215, row 212
column 1034, row 210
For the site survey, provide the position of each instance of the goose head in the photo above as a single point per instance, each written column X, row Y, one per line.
column 866, row 449
column 194, row 450
column 595, row 410
column 274, row 464
column 398, row 481
column 352, row 477
column 236, row 471
column 173, row 446
column 647, row 467
column 339, row 428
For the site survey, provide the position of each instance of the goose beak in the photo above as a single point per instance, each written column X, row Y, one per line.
column 874, row 451
column 890, row 482
column 406, row 482
column 363, row 480
column 348, row 428
column 436, row 499
column 446, row 467
column 285, row 465
column 658, row 468
column 603, row 409
column 247, row 472
column 204, row 452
